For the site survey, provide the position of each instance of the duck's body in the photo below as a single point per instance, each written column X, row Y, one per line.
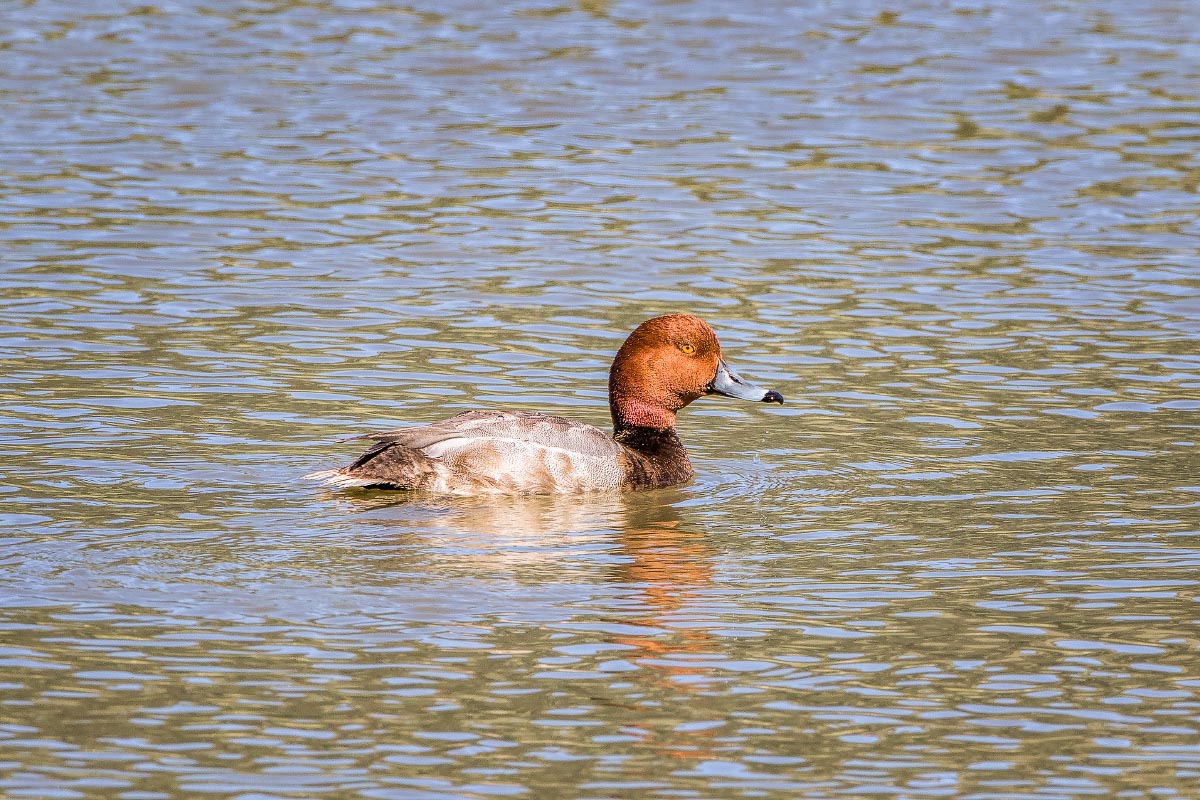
column 664, row 364
column 513, row 452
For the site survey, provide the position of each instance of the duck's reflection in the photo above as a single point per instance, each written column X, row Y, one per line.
column 660, row 565
column 638, row 541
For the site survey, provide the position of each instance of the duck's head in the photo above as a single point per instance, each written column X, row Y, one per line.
column 666, row 363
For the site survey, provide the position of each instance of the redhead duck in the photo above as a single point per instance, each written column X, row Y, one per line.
column 666, row 363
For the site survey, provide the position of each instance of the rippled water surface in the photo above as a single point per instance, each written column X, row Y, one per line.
column 960, row 238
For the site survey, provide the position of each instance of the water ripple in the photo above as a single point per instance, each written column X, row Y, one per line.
column 959, row 562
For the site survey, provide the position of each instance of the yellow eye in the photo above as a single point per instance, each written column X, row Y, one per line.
column 687, row 349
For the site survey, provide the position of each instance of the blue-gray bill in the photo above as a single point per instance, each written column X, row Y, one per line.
column 730, row 384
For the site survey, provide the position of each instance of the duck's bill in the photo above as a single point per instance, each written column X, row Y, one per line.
column 730, row 384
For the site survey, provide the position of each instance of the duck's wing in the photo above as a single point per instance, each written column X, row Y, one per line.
column 519, row 451
column 526, row 426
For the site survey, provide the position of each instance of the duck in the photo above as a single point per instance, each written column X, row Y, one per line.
column 665, row 364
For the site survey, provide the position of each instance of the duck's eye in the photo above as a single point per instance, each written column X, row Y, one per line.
column 687, row 349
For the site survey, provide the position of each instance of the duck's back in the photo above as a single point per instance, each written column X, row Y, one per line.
column 489, row 451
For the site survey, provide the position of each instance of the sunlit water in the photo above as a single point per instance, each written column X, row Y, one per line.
column 962, row 240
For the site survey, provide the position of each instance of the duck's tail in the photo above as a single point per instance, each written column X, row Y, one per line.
column 339, row 478
column 385, row 465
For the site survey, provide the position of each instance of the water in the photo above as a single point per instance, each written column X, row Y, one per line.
column 960, row 239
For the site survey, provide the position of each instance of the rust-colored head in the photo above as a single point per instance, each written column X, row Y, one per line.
column 666, row 363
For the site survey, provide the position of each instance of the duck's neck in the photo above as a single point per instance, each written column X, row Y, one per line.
column 630, row 413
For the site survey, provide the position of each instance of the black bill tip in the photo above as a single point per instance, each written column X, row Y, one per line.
column 773, row 397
